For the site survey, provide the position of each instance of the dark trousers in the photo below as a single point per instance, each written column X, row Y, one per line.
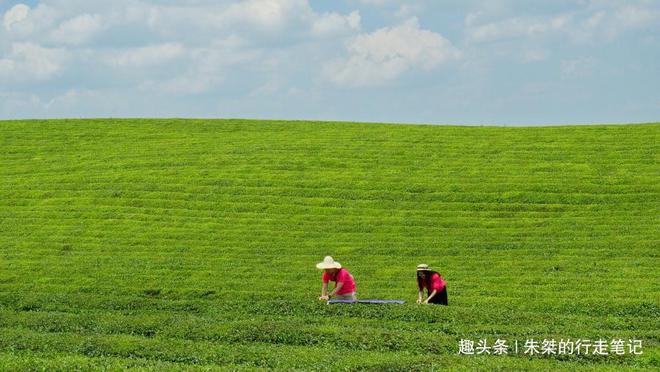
column 440, row 298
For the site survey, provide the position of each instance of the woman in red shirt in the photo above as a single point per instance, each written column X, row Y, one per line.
column 435, row 285
column 345, row 285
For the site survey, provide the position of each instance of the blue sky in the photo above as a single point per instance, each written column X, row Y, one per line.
column 502, row 62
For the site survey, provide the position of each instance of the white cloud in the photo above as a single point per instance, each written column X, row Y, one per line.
column 185, row 47
column 374, row 2
column 31, row 62
column 78, row 30
column 512, row 28
column 15, row 15
column 389, row 52
column 75, row 23
column 378, row 3
column 401, row 9
column 334, row 23
column 268, row 14
column 148, row 55
column 408, row 10
column 205, row 67
column 70, row 99
column 601, row 21
column 607, row 24
column 275, row 16
column 630, row 17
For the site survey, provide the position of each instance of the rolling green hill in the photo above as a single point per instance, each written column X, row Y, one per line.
column 185, row 244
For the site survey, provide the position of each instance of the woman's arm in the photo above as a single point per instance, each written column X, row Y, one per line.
column 337, row 288
column 324, row 292
column 431, row 296
column 420, row 286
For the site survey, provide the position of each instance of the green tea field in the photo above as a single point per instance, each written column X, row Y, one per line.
column 192, row 244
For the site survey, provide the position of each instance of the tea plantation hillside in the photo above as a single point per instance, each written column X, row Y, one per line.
column 192, row 244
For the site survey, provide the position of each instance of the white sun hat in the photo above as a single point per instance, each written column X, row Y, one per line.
column 422, row 267
column 328, row 263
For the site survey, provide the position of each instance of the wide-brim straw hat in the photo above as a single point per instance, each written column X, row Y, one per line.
column 422, row 267
column 328, row 263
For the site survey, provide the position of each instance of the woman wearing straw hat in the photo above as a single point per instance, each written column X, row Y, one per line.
column 435, row 285
column 332, row 271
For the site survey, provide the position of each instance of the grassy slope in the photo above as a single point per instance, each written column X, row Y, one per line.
column 180, row 243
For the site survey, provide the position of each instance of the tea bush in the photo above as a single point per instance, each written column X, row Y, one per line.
column 191, row 244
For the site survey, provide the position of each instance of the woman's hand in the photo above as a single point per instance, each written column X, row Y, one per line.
column 420, row 295
column 324, row 298
column 430, row 297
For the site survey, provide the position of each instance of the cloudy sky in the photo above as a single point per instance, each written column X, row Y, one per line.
column 507, row 62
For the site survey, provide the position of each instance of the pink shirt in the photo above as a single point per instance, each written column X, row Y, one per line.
column 437, row 283
column 342, row 276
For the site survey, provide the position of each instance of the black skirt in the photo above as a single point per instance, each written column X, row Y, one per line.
column 440, row 298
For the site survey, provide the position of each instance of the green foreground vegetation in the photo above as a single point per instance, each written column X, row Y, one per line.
column 191, row 244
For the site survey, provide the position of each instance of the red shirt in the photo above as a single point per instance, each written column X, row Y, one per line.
column 437, row 283
column 342, row 276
